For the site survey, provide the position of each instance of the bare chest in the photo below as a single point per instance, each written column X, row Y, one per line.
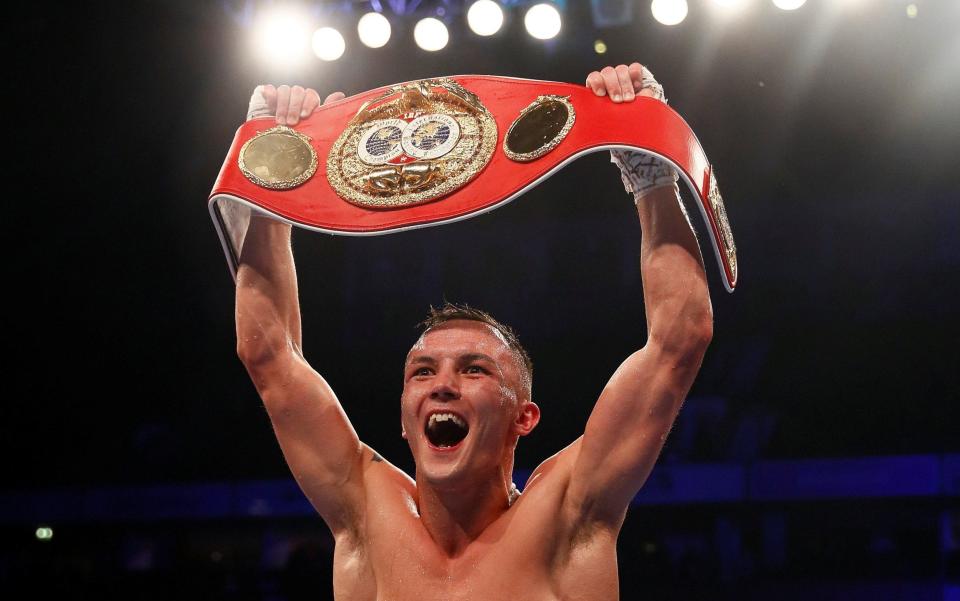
column 520, row 560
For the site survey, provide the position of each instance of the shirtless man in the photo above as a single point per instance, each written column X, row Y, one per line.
column 459, row 530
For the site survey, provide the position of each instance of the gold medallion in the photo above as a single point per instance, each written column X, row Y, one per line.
column 414, row 143
column 278, row 158
column 539, row 128
column 726, row 234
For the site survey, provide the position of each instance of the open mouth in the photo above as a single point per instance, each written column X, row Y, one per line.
column 445, row 430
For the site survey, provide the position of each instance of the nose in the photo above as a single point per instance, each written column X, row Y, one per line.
column 446, row 387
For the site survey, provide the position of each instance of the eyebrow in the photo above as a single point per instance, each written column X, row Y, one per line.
column 469, row 357
column 422, row 359
column 477, row 357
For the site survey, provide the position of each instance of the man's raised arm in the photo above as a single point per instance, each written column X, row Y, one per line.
column 318, row 441
column 631, row 419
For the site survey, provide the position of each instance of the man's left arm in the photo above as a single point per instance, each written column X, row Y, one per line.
column 635, row 411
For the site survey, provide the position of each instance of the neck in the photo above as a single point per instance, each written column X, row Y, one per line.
column 455, row 515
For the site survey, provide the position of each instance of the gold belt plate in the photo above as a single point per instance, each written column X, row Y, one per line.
column 726, row 234
column 412, row 144
column 279, row 158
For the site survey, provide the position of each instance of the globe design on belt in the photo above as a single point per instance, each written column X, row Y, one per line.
column 380, row 142
column 383, row 141
column 413, row 144
column 428, row 137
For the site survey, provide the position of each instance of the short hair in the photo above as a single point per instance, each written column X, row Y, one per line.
column 453, row 311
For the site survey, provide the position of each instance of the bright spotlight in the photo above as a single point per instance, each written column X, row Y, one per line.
column 282, row 37
column 431, row 34
column 600, row 47
column 44, row 533
column 669, row 12
column 485, row 17
column 374, row 30
column 912, row 11
column 328, row 44
column 789, row 4
column 542, row 21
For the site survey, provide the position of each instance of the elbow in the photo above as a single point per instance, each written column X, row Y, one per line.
column 271, row 370
column 252, row 354
column 696, row 341
column 261, row 347
column 702, row 331
column 687, row 342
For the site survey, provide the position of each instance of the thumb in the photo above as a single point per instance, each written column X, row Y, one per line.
column 270, row 95
column 335, row 97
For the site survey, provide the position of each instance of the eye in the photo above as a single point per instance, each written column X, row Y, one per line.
column 475, row 369
column 422, row 371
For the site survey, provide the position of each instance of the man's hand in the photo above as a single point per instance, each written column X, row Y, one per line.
column 623, row 83
column 288, row 104
column 641, row 173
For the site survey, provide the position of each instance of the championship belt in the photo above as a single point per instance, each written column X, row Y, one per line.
column 440, row 150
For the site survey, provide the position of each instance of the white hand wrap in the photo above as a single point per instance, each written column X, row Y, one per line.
column 258, row 105
column 641, row 172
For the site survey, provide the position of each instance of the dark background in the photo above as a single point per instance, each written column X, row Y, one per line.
column 835, row 133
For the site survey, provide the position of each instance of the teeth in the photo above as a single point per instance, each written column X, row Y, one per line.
column 442, row 417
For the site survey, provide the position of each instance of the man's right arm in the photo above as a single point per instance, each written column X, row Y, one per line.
column 319, row 443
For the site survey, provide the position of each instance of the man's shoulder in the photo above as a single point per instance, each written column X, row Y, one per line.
column 556, row 469
column 387, row 492
column 377, row 470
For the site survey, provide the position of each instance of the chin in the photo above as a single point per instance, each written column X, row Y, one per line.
column 441, row 466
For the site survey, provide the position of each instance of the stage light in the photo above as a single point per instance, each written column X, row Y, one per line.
column 669, row 12
column 374, row 30
column 789, row 4
column 431, row 34
column 44, row 533
column 282, row 37
column 485, row 17
column 912, row 11
column 328, row 44
column 600, row 47
column 542, row 21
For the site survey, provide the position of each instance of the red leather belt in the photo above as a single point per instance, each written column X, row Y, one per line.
column 436, row 151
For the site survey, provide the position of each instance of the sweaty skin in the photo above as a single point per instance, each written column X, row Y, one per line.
column 452, row 534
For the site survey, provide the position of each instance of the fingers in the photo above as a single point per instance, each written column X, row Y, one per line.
column 626, row 87
column 624, row 83
column 296, row 104
column 636, row 77
column 612, row 83
column 283, row 104
column 595, row 83
column 270, row 95
column 290, row 104
column 334, row 97
column 311, row 100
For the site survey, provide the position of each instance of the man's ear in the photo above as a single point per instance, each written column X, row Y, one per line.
column 527, row 418
column 403, row 433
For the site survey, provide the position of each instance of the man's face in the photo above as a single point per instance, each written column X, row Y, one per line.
column 463, row 403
